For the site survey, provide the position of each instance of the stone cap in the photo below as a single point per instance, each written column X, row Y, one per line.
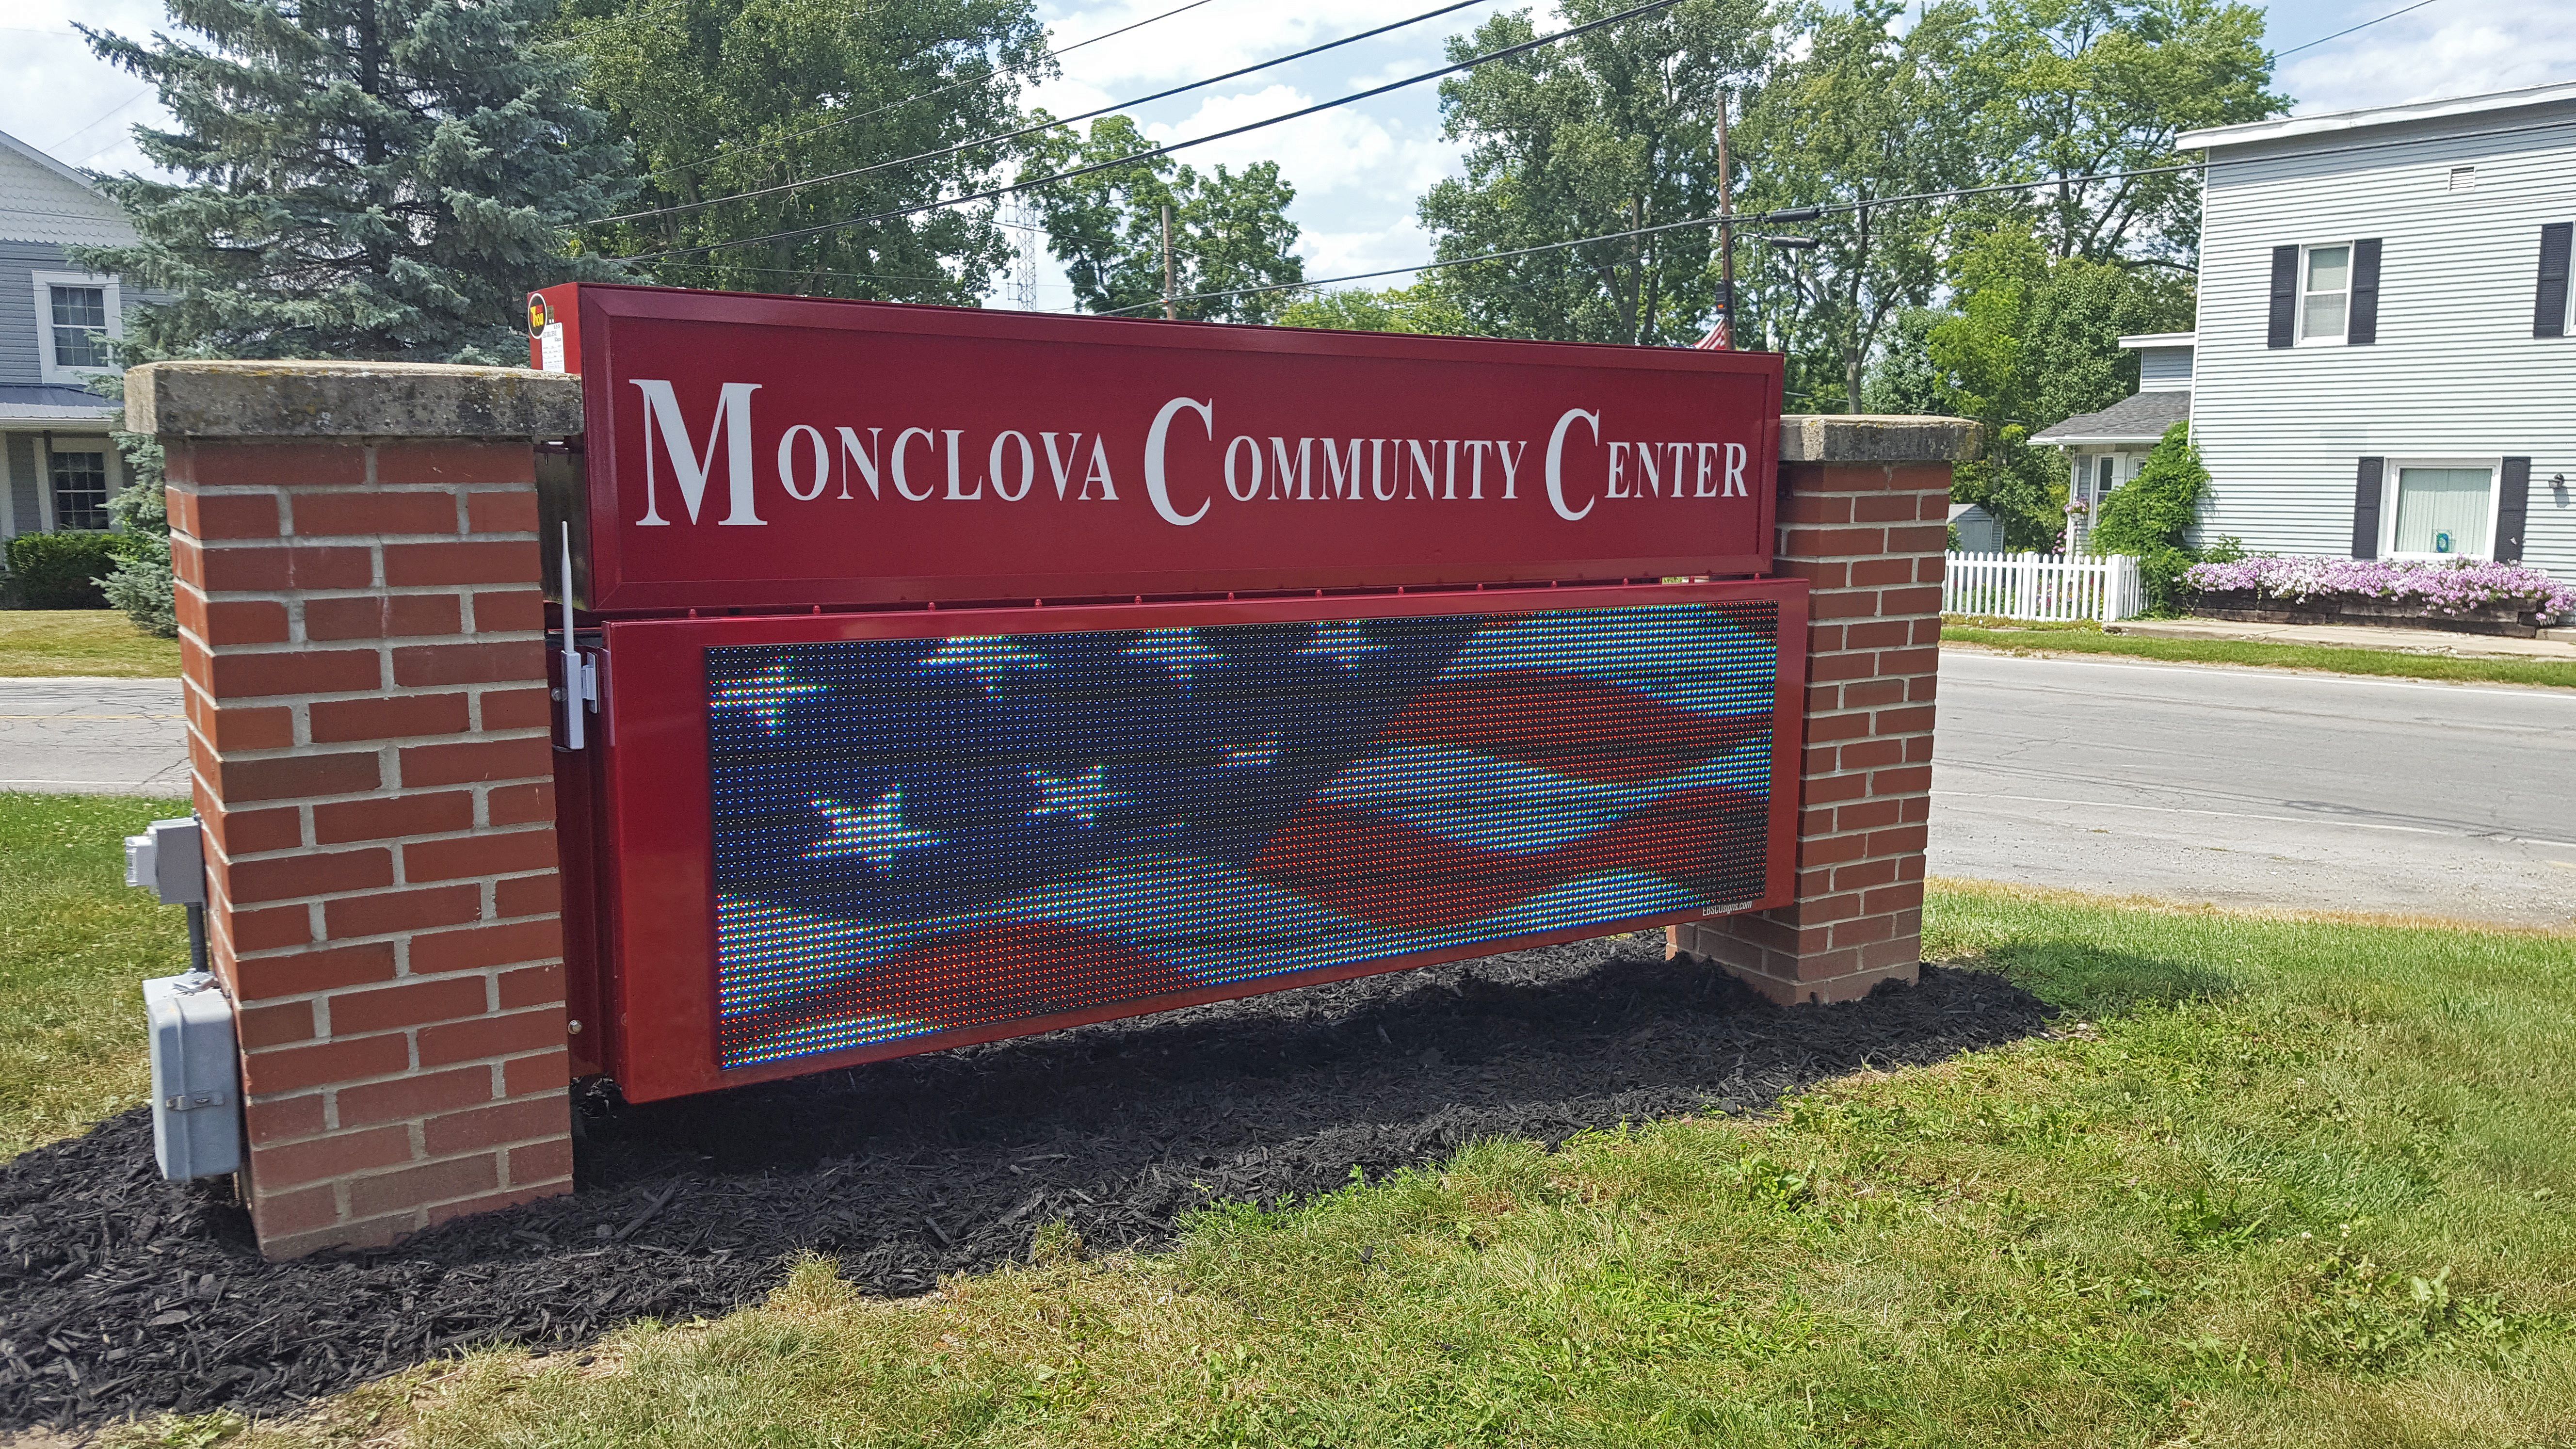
column 349, row 400
column 1869, row 438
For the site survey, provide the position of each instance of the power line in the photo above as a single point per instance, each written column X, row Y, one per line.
column 147, row 89
column 684, row 207
column 1148, row 155
column 2340, row 34
column 972, row 80
column 1786, row 215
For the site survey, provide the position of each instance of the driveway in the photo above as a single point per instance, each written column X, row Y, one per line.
column 2257, row 787
column 93, row 736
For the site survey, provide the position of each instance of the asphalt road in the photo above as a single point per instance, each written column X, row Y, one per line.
column 93, row 736
column 2257, row 787
column 2234, row 786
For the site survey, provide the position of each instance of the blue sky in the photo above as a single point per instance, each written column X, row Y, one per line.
column 1358, row 169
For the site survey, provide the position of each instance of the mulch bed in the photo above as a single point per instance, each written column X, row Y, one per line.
column 124, row 1296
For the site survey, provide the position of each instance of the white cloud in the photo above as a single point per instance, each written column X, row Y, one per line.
column 1347, row 253
column 1335, row 150
column 59, row 98
column 2445, row 49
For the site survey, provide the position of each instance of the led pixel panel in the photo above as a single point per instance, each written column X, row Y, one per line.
column 913, row 836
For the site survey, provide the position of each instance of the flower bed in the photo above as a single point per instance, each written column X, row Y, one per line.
column 2465, row 593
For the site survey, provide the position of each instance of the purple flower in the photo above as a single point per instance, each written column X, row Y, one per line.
column 2443, row 586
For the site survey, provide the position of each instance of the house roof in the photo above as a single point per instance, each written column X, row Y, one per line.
column 2140, row 419
column 43, row 200
column 2335, row 125
column 28, row 404
column 2136, row 340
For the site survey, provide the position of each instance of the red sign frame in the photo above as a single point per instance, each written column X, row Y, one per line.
column 651, row 958
column 801, row 452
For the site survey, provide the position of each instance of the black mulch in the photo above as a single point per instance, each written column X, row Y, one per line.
column 122, row 1295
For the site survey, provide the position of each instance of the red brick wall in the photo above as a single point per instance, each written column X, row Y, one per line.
column 361, row 635
column 1868, row 538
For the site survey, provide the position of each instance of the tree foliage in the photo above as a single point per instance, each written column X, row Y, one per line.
column 2087, row 87
column 724, row 97
column 1865, row 113
column 1423, row 307
column 1612, row 131
column 1230, row 230
column 2152, row 514
column 360, row 178
column 2028, row 341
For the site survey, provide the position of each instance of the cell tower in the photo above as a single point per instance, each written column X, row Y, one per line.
column 1023, row 219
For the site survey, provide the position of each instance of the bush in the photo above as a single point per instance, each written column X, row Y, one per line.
column 142, row 585
column 2150, row 515
column 63, row 570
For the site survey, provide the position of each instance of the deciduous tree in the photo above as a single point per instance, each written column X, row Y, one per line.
column 1609, row 132
column 1230, row 230
column 724, row 97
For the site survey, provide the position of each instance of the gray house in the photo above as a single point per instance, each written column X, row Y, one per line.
column 2386, row 353
column 2106, row 449
column 57, row 466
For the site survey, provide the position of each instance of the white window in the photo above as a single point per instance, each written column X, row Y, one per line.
column 2438, row 508
column 74, row 479
column 2325, row 292
column 77, row 316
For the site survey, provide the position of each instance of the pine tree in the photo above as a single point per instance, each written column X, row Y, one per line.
column 377, row 179
column 373, row 179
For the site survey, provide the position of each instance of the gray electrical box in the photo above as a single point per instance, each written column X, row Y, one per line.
column 196, row 1082
column 169, row 860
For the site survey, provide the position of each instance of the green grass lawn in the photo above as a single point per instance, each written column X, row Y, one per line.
column 103, row 643
column 2272, row 1181
column 2020, row 637
column 74, row 945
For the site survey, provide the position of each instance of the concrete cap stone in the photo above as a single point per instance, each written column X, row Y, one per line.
column 349, row 400
column 1868, row 438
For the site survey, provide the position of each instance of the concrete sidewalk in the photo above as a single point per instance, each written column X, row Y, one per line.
column 93, row 736
column 2361, row 636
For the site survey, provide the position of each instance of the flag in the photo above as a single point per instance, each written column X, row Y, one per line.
column 918, row 835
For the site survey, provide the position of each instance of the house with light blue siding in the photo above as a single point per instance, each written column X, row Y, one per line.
column 2106, row 449
column 2384, row 362
column 57, row 466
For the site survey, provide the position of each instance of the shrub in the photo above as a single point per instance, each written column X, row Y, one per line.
column 2151, row 515
column 62, row 570
column 142, row 585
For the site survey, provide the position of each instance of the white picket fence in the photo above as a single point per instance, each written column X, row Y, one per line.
column 2042, row 586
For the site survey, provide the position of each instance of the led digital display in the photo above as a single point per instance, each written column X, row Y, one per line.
column 913, row 836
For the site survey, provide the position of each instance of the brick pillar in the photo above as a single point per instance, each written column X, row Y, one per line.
column 1864, row 511
column 361, row 633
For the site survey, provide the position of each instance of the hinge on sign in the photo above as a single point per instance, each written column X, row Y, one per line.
column 191, row 1101
column 580, row 670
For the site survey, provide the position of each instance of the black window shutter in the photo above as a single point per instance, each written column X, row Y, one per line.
column 2285, row 294
column 2549, row 309
column 2513, row 506
column 2365, row 508
column 2365, row 292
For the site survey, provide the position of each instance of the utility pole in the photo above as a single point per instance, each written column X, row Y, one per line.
column 1725, row 239
column 1170, row 312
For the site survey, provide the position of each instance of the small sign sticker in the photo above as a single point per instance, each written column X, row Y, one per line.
column 548, row 330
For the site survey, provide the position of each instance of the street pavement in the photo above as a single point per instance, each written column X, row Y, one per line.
column 2257, row 787
column 2233, row 786
column 93, row 736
